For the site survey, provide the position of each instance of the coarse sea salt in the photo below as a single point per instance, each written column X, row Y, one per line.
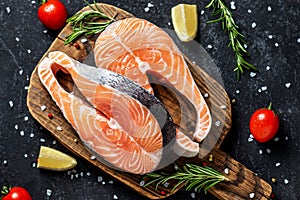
column 59, row 128
column 226, row 171
column 115, row 197
column 251, row 195
column 16, row 126
column 288, row 85
column 49, row 192
column 193, row 195
column 11, row 104
column 28, row 51
column 264, row 88
column 278, row 164
column 22, row 133
column 276, row 44
column 43, row 107
column 8, row 10
column 298, row 40
column 252, row 74
column 270, row 36
column 268, row 67
column 150, row 5
column 83, row 40
column 202, row 12
column 253, row 25
column 146, row 9
column 286, row 181
column 33, row 2
column 249, row 11
column 26, row 118
column 209, row 46
column 269, row 8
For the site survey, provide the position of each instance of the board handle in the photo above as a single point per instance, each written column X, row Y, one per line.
column 243, row 183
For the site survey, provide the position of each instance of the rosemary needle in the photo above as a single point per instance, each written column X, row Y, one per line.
column 236, row 39
column 192, row 176
column 87, row 23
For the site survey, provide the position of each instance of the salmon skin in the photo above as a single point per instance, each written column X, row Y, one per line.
column 112, row 124
column 138, row 49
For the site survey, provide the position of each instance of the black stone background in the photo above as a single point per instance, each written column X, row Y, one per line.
column 282, row 22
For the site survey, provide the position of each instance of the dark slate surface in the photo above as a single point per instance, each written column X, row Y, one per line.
column 274, row 47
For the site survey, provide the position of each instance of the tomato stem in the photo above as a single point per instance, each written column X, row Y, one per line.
column 5, row 190
column 44, row 1
column 270, row 106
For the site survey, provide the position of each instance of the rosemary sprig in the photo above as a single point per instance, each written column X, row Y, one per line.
column 192, row 176
column 237, row 41
column 87, row 23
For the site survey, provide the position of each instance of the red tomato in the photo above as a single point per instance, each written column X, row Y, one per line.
column 264, row 124
column 52, row 14
column 17, row 193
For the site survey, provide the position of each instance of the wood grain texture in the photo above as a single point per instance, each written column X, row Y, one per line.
column 242, row 180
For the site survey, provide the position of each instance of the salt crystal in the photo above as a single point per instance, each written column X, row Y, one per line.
column 43, row 107
column 26, row 87
column 202, row 12
column 58, row 128
column 17, row 39
column 31, row 135
column 11, row 104
column 253, row 25
column 276, row 44
column 176, row 167
column 270, row 36
column 81, row 174
column 45, row 31
column 226, row 171
column 250, row 139
column 147, row 9
column 54, row 142
column 150, row 5
column 169, row 23
column 264, row 88
column 8, row 10
column 268, row 150
column 21, row 71
column 115, row 197
column 252, row 74
column 72, row 176
column 288, row 85
column 166, row 184
column 217, row 123
column 26, row 155
column 49, row 192
column 209, row 46
column 76, row 175
column 26, row 118
column 34, row 165
column 251, row 136
column 88, row 173
column 5, row 162
column 33, row 2
column 22, row 133
column 16, row 126
column 276, row 139
column 232, row 5
column 193, row 195
column 259, row 90
column 269, row 8
column 103, row 183
column 111, row 182
column 83, row 40
column 260, row 152
column 223, row 106
column 28, row 51
column 286, row 181
column 286, row 138
column 298, row 40
column 268, row 67
column 249, row 11
column 42, row 140
column 206, row 95
column 237, row 91
column 251, row 195
column 69, row 173
column 142, row 183
column 93, row 157
column 277, row 164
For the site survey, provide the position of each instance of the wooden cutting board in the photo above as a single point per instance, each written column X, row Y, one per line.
column 242, row 182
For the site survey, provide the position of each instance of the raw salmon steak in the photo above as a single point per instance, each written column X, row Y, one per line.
column 139, row 50
column 114, row 126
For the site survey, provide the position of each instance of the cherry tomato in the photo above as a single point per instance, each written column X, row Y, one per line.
column 264, row 124
column 15, row 193
column 52, row 14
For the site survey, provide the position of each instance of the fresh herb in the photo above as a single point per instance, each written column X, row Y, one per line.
column 237, row 41
column 192, row 176
column 87, row 22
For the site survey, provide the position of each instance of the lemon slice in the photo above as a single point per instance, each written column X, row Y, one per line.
column 53, row 159
column 185, row 21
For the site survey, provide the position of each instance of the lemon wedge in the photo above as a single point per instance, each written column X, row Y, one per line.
column 53, row 159
column 185, row 21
